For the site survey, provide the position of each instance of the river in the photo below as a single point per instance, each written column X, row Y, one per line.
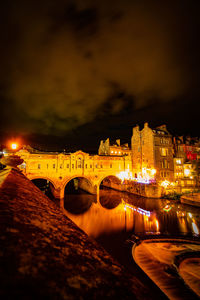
column 116, row 216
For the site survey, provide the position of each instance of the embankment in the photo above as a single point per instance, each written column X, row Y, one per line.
column 43, row 254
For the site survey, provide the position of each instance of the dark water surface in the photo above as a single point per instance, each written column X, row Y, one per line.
column 115, row 216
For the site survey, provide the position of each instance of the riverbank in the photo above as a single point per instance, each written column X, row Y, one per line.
column 45, row 255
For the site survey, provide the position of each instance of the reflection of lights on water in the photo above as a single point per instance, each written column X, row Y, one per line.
column 195, row 228
column 180, row 214
column 139, row 210
column 149, row 218
column 157, row 225
column 167, row 208
column 190, row 215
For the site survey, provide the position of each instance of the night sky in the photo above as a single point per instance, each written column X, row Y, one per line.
column 75, row 72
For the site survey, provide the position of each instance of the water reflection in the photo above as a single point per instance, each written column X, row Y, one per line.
column 77, row 204
column 125, row 213
column 109, row 199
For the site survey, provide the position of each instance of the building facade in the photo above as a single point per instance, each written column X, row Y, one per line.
column 152, row 153
column 114, row 149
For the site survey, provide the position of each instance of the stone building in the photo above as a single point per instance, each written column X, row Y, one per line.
column 187, row 147
column 152, row 153
column 108, row 148
column 186, row 158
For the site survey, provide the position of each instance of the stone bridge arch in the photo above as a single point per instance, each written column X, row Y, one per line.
column 113, row 182
column 108, row 175
column 85, row 183
column 54, row 187
column 54, row 184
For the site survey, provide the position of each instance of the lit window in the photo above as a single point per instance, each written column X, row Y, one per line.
column 111, row 151
column 186, row 172
column 164, row 151
column 119, row 152
column 115, row 152
column 178, row 161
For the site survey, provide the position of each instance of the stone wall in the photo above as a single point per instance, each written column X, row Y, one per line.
column 144, row 190
column 141, row 189
column 85, row 185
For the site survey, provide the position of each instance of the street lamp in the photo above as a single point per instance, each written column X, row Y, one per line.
column 14, row 146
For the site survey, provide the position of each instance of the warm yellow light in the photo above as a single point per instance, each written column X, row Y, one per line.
column 14, row 146
column 157, row 225
column 125, row 175
column 195, row 228
column 186, row 172
column 144, row 171
column 153, row 171
column 165, row 183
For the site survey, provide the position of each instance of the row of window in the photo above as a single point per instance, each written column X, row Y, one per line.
column 164, row 174
column 76, row 166
column 116, row 152
column 179, row 174
column 164, row 141
column 165, row 164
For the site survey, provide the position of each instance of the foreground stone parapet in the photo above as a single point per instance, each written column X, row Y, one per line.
column 45, row 255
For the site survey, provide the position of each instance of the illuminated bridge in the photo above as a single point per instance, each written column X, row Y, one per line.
column 87, row 171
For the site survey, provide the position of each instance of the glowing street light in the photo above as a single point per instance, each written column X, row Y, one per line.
column 153, row 171
column 13, row 146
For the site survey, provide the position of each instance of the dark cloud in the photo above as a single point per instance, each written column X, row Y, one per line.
column 66, row 63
